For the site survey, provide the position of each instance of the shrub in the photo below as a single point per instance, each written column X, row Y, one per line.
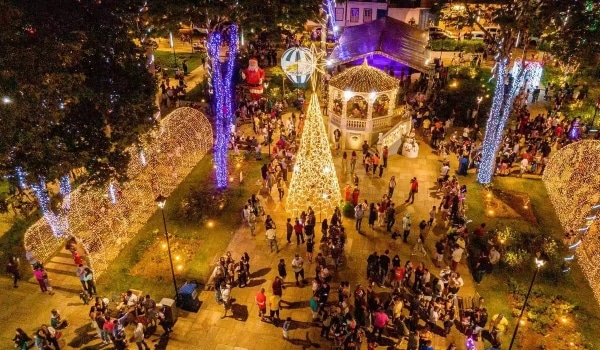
column 348, row 209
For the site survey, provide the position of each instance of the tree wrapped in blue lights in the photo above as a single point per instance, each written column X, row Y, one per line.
column 222, row 80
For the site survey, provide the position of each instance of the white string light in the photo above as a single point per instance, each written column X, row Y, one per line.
column 103, row 229
column 572, row 181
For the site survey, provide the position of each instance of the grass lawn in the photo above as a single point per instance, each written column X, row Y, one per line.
column 118, row 278
column 165, row 59
column 573, row 286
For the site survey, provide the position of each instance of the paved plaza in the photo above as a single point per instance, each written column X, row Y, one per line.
column 244, row 329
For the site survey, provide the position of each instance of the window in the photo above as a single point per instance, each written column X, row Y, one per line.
column 339, row 14
column 354, row 14
column 368, row 15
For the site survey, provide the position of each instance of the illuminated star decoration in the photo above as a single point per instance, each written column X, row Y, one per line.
column 317, row 64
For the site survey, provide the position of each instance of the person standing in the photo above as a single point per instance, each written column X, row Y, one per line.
column 414, row 188
column 344, row 162
column 358, row 215
column 261, row 302
column 406, row 227
column 289, row 231
column 138, row 337
column 252, row 222
column 431, row 216
column 80, row 272
column 482, row 267
column 12, row 267
column 372, row 216
column 390, row 215
column 298, row 267
column 353, row 159
column 39, row 276
column 89, row 280
column 456, row 257
column 298, row 229
column 375, row 161
column 384, row 266
column 282, row 271
column 391, row 186
column 384, row 155
column 280, row 186
column 226, row 298
column 272, row 238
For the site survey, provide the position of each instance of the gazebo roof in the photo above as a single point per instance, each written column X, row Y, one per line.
column 388, row 37
column 363, row 78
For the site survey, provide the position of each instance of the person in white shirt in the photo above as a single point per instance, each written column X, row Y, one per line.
column 524, row 165
column 456, row 256
column 494, row 255
column 298, row 267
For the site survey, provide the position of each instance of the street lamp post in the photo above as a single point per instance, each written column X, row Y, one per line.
column 538, row 264
column 479, row 99
column 596, row 108
column 161, row 200
column 173, row 47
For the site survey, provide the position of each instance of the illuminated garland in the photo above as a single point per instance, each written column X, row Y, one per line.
column 314, row 181
column 223, row 101
column 363, row 78
column 104, row 226
column 573, row 184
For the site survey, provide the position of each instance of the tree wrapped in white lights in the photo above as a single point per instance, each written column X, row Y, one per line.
column 314, row 181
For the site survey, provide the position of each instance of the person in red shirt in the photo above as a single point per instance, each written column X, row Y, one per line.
column 261, row 302
column 480, row 231
column 414, row 188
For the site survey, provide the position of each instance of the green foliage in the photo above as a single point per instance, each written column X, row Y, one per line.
column 203, row 202
column 348, row 209
column 469, row 46
column 544, row 310
column 471, row 82
column 80, row 92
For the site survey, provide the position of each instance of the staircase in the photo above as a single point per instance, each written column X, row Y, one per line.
column 394, row 137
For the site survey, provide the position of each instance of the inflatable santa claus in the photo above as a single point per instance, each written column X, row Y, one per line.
column 254, row 77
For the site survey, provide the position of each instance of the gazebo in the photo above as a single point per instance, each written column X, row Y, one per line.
column 362, row 104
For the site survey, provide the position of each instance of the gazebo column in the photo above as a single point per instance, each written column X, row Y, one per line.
column 330, row 102
column 369, row 123
column 343, row 124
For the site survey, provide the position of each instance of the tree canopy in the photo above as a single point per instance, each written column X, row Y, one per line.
column 256, row 15
column 75, row 86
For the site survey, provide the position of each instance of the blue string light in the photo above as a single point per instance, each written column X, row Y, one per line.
column 58, row 225
column 65, row 191
column 223, row 100
column 22, row 183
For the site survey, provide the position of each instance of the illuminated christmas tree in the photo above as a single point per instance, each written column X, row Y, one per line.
column 314, row 181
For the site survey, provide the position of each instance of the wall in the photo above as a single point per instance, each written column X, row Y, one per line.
column 346, row 8
column 420, row 15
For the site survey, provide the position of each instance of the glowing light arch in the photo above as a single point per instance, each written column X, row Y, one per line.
column 103, row 224
column 572, row 180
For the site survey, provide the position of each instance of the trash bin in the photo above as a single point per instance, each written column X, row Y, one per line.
column 188, row 297
column 170, row 304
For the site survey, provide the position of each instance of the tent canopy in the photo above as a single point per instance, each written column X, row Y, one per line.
column 388, row 37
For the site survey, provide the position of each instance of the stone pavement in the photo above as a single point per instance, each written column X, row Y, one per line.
column 244, row 330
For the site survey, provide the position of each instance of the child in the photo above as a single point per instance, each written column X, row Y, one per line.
column 286, row 327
